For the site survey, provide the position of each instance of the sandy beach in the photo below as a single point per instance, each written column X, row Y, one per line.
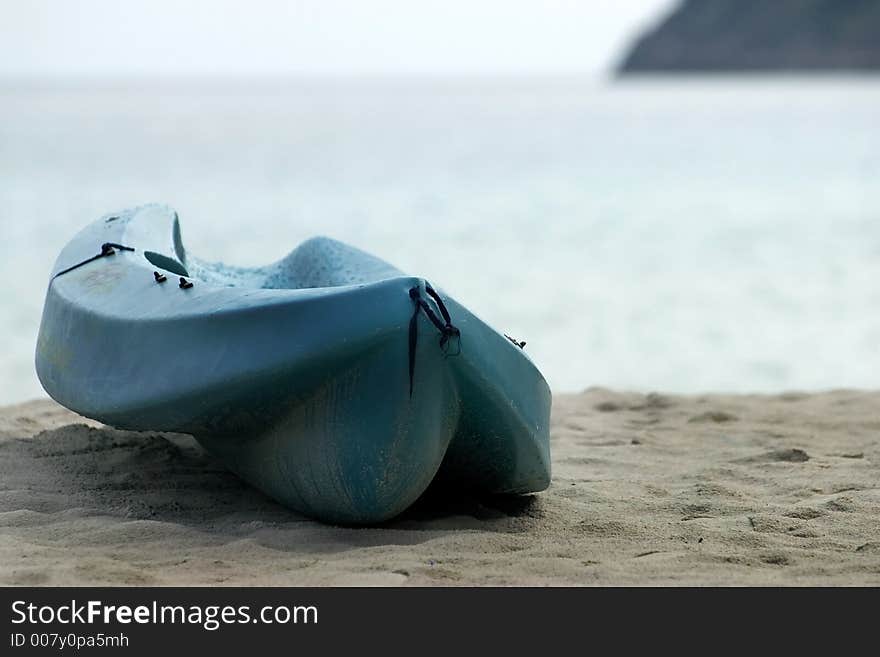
column 647, row 490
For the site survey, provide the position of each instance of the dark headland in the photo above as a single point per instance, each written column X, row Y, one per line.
column 761, row 35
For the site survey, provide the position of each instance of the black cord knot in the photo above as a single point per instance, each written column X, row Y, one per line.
column 107, row 249
column 448, row 332
column 446, row 329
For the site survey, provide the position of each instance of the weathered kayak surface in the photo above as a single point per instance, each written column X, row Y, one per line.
column 330, row 380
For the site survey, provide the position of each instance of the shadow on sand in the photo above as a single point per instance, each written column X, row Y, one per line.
column 170, row 478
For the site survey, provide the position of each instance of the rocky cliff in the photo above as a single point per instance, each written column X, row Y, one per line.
column 761, row 35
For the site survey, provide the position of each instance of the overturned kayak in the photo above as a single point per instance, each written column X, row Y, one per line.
column 330, row 380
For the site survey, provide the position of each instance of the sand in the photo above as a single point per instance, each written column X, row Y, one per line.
column 647, row 490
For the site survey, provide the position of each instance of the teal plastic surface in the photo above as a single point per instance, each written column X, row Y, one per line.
column 296, row 375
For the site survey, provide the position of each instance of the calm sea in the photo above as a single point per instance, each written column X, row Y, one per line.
column 680, row 235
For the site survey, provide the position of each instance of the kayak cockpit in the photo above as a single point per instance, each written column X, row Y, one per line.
column 317, row 262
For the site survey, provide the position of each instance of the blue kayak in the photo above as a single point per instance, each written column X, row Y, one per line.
column 330, row 380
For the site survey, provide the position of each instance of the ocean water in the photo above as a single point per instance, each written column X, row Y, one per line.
column 683, row 235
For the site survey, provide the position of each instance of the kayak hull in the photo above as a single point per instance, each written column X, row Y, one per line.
column 315, row 395
column 348, row 452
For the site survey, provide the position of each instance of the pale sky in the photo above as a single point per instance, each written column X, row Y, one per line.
column 316, row 37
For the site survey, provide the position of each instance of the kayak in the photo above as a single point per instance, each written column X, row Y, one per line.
column 333, row 382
